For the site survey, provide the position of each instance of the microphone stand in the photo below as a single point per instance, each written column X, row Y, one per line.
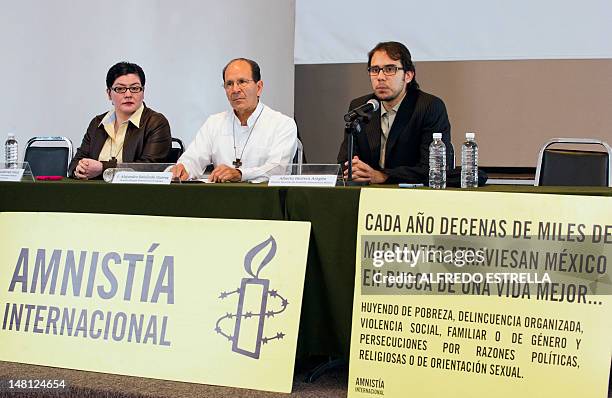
column 353, row 128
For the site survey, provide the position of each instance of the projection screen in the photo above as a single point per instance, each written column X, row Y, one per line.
column 56, row 55
column 517, row 73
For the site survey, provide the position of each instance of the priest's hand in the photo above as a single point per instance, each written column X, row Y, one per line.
column 224, row 173
column 179, row 171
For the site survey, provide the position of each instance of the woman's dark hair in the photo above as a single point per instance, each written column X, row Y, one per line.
column 121, row 69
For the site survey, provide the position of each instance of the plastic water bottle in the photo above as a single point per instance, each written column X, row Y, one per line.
column 469, row 162
column 437, row 162
column 11, row 151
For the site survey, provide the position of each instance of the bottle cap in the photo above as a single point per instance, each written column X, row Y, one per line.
column 437, row 135
column 11, row 135
column 470, row 135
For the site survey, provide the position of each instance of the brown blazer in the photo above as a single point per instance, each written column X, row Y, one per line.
column 149, row 143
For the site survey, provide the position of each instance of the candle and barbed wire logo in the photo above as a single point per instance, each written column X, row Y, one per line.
column 252, row 310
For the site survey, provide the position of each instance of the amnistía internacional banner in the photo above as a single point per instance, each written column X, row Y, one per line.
column 477, row 294
column 186, row 299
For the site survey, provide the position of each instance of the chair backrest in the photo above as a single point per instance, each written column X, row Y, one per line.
column 176, row 151
column 574, row 167
column 48, row 155
column 298, row 158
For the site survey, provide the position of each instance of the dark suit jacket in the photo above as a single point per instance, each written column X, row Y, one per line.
column 407, row 154
column 149, row 143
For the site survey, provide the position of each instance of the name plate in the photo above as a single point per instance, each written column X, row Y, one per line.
column 142, row 177
column 315, row 180
column 11, row 174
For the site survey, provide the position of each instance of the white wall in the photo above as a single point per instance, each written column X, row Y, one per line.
column 444, row 30
column 55, row 55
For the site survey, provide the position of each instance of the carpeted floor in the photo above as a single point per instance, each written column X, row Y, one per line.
column 332, row 384
column 99, row 385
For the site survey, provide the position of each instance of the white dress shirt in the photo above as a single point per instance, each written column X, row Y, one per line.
column 222, row 139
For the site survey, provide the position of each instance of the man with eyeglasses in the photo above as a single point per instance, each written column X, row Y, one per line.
column 393, row 146
column 130, row 132
column 244, row 143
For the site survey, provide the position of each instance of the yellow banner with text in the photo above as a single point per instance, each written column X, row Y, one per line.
column 185, row 299
column 471, row 294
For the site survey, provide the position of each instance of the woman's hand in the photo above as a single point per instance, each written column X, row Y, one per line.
column 88, row 168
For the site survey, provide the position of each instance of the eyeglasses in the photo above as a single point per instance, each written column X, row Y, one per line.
column 242, row 83
column 388, row 70
column 122, row 90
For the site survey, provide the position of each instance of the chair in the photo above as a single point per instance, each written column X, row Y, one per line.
column 48, row 156
column 298, row 158
column 565, row 167
column 176, row 151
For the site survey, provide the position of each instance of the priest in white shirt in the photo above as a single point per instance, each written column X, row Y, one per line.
column 244, row 143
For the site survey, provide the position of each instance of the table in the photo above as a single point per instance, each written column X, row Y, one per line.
column 325, row 324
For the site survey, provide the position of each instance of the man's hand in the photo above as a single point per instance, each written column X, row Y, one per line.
column 88, row 168
column 179, row 171
column 223, row 173
column 362, row 172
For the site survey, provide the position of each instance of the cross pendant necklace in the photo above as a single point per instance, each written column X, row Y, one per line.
column 238, row 163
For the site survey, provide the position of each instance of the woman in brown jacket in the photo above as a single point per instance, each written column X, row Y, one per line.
column 130, row 132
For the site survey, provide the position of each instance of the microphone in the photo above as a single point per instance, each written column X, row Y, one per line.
column 362, row 111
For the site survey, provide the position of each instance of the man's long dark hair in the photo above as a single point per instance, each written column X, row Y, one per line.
column 397, row 52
